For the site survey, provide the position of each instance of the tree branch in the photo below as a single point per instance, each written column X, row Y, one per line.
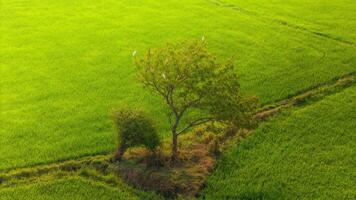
column 189, row 105
column 195, row 123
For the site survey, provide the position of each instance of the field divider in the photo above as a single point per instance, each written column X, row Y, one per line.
column 312, row 94
column 279, row 21
column 75, row 167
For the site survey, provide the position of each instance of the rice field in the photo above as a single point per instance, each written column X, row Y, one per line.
column 68, row 188
column 65, row 65
column 307, row 153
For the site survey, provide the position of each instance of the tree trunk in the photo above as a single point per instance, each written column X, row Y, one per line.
column 118, row 155
column 174, row 147
column 174, row 155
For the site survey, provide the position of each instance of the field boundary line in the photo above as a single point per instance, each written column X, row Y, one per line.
column 65, row 175
column 279, row 21
column 312, row 94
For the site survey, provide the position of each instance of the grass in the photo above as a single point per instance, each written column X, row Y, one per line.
column 69, row 188
column 307, row 153
column 335, row 19
column 66, row 64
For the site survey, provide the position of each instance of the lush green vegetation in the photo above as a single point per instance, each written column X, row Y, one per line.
column 195, row 88
column 307, row 153
column 135, row 128
column 71, row 188
column 65, row 64
column 333, row 18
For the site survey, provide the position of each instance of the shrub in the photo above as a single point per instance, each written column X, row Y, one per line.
column 135, row 128
column 214, row 147
column 156, row 159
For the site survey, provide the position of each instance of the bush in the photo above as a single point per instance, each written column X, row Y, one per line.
column 135, row 128
column 214, row 147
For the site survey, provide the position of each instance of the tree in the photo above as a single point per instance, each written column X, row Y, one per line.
column 135, row 128
column 194, row 86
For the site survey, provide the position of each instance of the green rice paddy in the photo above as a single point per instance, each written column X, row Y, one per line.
column 307, row 153
column 65, row 65
column 69, row 188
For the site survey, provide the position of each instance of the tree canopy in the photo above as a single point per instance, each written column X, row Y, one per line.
column 195, row 87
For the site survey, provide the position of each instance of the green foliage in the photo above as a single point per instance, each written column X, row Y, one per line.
column 135, row 128
column 190, row 80
column 307, row 153
column 195, row 86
